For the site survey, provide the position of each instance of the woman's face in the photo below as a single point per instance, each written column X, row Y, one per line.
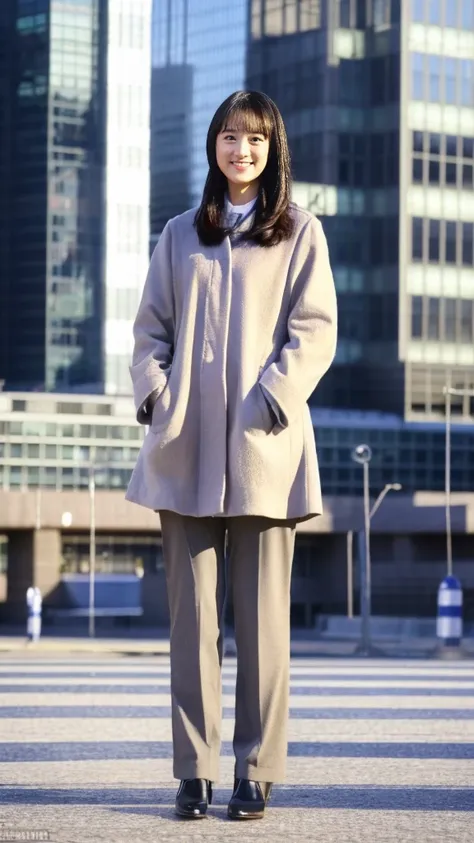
column 241, row 156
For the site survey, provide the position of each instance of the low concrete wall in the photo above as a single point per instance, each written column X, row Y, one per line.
column 423, row 512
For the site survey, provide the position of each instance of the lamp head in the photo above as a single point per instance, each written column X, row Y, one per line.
column 362, row 454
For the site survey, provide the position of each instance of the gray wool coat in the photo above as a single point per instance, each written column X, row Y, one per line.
column 222, row 335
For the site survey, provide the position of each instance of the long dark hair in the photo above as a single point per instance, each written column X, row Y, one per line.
column 252, row 112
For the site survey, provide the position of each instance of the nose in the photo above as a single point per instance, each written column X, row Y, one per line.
column 242, row 148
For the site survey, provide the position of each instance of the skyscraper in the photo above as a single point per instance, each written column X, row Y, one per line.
column 378, row 101
column 199, row 55
column 74, row 220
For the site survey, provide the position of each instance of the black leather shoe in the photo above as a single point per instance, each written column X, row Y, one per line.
column 248, row 799
column 193, row 798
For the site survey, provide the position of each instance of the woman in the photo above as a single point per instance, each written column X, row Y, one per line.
column 236, row 326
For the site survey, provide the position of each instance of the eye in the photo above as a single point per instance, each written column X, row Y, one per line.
column 257, row 139
column 229, row 137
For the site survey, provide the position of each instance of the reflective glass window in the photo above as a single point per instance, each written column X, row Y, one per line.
column 468, row 147
column 450, row 320
column 467, row 176
column 417, row 170
column 467, row 83
column 418, row 139
column 435, row 143
column 450, row 81
column 417, row 317
column 467, row 14
column 433, row 172
column 450, row 171
column 450, row 242
column 466, row 320
column 451, row 13
column 451, row 145
column 418, row 67
column 468, row 244
column 418, row 11
column 417, row 238
column 434, row 12
column 433, row 318
column 434, row 78
column 433, row 242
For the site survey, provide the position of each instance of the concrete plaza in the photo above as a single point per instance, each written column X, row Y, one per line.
column 379, row 751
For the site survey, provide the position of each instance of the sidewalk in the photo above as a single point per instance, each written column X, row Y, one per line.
column 152, row 642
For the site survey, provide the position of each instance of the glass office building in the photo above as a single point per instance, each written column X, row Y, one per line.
column 378, row 100
column 199, row 57
column 75, row 228
column 49, row 441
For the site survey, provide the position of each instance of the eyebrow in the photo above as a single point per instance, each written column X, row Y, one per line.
column 235, row 131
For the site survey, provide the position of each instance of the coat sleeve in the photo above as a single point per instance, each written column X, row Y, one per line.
column 153, row 331
column 312, row 328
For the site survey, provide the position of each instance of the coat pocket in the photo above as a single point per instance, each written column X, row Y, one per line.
column 258, row 418
column 161, row 410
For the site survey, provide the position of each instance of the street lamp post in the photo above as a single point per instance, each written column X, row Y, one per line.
column 362, row 454
column 92, row 550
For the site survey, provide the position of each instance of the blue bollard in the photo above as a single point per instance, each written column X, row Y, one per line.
column 449, row 621
column 34, row 604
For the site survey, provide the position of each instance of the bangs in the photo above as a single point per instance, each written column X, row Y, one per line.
column 242, row 117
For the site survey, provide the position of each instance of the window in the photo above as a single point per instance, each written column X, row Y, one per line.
column 345, row 14
column 418, row 138
column 434, row 12
column 450, row 255
column 450, row 173
column 433, row 244
column 467, row 244
column 418, row 65
column 418, row 11
column 434, row 143
column 434, row 86
column 450, row 320
column 417, row 238
column 450, row 78
column 417, row 171
column 417, row 317
column 451, row 13
column 433, row 319
column 467, row 176
column 468, row 147
column 451, row 145
column 467, row 83
column 467, row 14
column 433, row 172
column 466, row 320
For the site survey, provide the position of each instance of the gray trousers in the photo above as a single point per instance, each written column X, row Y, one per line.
column 260, row 556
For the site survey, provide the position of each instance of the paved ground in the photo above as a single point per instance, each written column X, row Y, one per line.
column 379, row 751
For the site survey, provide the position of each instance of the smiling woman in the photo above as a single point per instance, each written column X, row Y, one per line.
column 247, row 151
column 236, row 326
column 242, row 157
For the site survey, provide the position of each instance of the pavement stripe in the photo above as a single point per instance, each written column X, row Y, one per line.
column 309, row 679
column 301, row 673
column 351, row 701
column 306, row 690
column 85, row 712
column 366, row 798
column 17, row 752
column 304, row 730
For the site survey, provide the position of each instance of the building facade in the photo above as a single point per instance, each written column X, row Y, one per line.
column 378, row 100
column 74, row 243
column 199, row 57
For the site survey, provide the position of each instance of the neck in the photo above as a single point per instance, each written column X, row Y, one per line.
column 241, row 195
